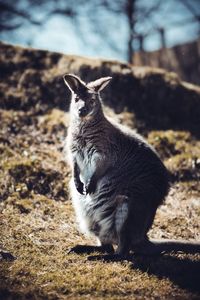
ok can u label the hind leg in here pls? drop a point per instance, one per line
(142, 217)
(133, 220)
(122, 251)
(121, 222)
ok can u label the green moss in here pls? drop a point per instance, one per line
(172, 78)
(184, 166)
(180, 152)
(23, 175)
(5, 151)
(169, 142)
(54, 121)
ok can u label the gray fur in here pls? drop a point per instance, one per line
(118, 180)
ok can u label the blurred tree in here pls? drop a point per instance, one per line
(12, 15)
(104, 18)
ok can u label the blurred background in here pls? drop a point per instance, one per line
(157, 33)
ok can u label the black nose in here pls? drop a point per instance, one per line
(82, 111)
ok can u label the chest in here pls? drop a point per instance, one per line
(83, 152)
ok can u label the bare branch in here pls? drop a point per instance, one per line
(146, 14)
(66, 12)
(10, 27)
(6, 8)
(191, 9)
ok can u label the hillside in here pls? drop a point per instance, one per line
(37, 224)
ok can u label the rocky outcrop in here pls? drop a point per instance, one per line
(32, 79)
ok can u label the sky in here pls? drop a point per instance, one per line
(60, 34)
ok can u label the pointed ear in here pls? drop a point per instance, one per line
(73, 82)
(99, 84)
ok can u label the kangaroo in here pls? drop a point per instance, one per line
(118, 180)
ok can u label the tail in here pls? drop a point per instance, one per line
(155, 247)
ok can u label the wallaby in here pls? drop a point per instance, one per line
(118, 180)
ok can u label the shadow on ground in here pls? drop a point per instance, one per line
(183, 272)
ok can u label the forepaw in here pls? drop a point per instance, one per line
(90, 187)
(80, 188)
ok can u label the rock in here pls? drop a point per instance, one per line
(4, 255)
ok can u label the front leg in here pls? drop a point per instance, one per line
(79, 185)
(90, 185)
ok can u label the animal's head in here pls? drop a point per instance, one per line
(85, 100)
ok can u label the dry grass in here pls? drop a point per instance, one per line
(41, 236)
(39, 231)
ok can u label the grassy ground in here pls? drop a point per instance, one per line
(37, 224)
